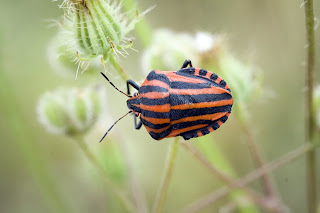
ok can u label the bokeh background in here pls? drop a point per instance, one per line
(36, 166)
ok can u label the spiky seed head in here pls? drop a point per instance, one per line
(97, 28)
(70, 111)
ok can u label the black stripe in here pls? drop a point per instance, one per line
(203, 72)
(186, 85)
(214, 76)
(201, 77)
(154, 126)
(222, 83)
(152, 114)
(176, 99)
(177, 114)
(160, 135)
(146, 89)
(189, 71)
(183, 125)
(150, 102)
(205, 131)
(161, 77)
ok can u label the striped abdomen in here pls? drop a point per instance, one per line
(190, 102)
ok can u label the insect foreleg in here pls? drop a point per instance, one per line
(137, 125)
(133, 84)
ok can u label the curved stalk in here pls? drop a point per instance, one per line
(162, 193)
(310, 127)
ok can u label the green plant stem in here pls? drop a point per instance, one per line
(310, 127)
(256, 154)
(125, 202)
(118, 68)
(257, 198)
(162, 193)
(244, 181)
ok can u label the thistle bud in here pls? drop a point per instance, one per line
(97, 27)
(64, 61)
(70, 111)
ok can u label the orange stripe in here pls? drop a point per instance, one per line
(174, 77)
(154, 95)
(211, 90)
(155, 108)
(218, 80)
(208, 75)
(176, 132)
(196, 71)
(227, 86)
(210, 129)
(202, 104)
(156, 130)
(156, 120)
(199, 133)
(212, 117)
(155, 83)
(220, 123)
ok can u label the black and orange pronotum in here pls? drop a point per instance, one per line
(190, 102)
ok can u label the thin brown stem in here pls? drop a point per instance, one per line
(240, 183)
(310, 127)
(257, 198)
(162, 193)
(258, 158)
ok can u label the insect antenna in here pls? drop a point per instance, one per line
(113, 125)
(114, 85)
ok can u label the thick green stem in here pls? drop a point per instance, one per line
(310, 127)
(126, 203)
(162, 193)
(118, 68)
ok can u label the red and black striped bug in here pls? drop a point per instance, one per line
(190, 102)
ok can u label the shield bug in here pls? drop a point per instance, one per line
(190, 102)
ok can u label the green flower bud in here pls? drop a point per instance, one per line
(168, 51)
(63, 60)
(97, 28)
(70, 111)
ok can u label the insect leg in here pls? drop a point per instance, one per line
(133, 84)
(186, 63)
(137, 125)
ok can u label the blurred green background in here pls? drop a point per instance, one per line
(33, 162)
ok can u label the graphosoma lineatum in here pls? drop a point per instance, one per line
(190, 102)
